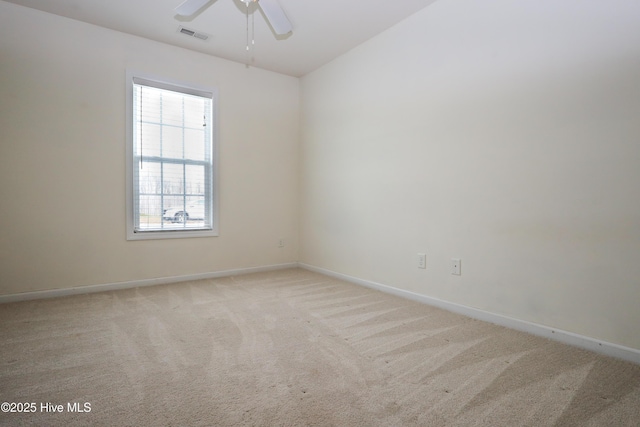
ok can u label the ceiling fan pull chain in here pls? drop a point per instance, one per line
(247, 15)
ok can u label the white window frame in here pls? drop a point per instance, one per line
(170, 84)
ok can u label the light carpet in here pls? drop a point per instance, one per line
(293, 348)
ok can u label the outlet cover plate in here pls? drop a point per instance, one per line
(456, 268)
(422, 260)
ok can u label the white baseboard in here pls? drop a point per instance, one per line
(587, 343)
(53, 293)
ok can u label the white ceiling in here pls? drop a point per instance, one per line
(322, 29)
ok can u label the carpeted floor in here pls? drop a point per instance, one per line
(292, 348)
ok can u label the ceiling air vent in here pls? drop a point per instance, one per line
(192, 33)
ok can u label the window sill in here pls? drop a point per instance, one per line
(177, 234)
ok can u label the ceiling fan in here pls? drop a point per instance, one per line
(271, 9)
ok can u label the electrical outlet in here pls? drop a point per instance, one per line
(422, 260)
(455, 266)
(281, 242)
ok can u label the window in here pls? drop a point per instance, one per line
(171, 159)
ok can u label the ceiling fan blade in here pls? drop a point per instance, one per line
(275, 15)
(189, 7)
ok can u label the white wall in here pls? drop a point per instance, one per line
(503, 133)
(62, 158)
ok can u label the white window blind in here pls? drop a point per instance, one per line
(172, 157)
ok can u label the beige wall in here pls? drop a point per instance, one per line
(62, 158)
(503, 133)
